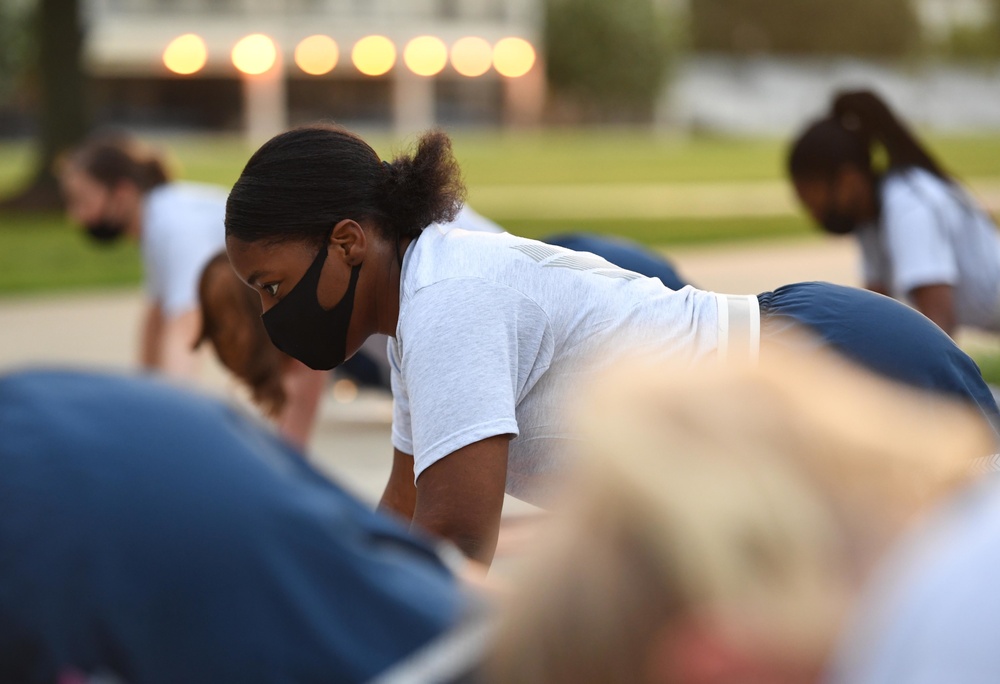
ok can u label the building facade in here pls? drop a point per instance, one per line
(125, 42)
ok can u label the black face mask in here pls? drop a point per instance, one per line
(105, 232)
(836, 222)
(301, 328)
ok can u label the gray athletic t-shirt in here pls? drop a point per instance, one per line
(494, 330)
(931, 233)
(183, 226)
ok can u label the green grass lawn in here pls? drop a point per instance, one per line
(555, 157)
(989, 364)
(39, 253)
(42, 253)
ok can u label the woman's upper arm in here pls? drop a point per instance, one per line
(460, 497)
(878, 287)
(937, 302)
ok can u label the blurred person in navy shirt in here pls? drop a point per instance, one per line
(148, 535)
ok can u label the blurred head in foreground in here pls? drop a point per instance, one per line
(722, 521)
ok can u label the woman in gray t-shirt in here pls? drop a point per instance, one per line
(922, 238)
(489, 332)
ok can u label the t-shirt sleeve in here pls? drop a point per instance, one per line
(180, 267)
(402, 435)
(153, 274)
(917, 241)
(466, 349)
(873, 269)
(181, 233)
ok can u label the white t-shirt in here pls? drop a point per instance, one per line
(931, 233)
(494, 330)
(374, 348)
(183, 226)
(467, 219)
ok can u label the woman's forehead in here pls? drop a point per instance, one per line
(261, 257)
(73, 177)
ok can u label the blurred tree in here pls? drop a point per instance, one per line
(15, 45)
(975, 42)
(870, 28)
(62, 117)
(608, 60)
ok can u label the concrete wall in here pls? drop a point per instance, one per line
(773, 96)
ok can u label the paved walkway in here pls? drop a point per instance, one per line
(660, 200)
(352, 439)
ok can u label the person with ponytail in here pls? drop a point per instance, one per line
(923, 239)
(115, 187)
(491, 334)
(288, 392)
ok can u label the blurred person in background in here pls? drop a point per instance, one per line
(490, 333)
(923, 239)
(116, 187)
(151, 535)
(720, 522)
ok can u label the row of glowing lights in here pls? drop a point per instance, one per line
(373, 55)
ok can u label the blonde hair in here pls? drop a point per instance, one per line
(751, 495)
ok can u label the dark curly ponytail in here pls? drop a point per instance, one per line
(858, 120)
(423, 188)
(303, 182)
(871, 116)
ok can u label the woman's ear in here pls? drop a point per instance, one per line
(349, 237)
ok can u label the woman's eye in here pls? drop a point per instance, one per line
(271, 289)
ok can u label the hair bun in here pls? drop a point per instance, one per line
(861, 110)
(422, 188)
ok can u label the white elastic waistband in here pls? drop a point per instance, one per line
(739, 327)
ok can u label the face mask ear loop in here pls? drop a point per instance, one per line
(399, 254)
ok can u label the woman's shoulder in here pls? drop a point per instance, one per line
(916, 185)
(464, 264)
(446, 243)
(187, 192)
(181, 201)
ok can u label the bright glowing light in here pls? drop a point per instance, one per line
(425, 55)
(255, 54)
(471, 56)
(317, 55)
(374, 55)
(513, 57)
(185, 54)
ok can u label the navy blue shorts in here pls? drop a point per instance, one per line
(879, 333)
